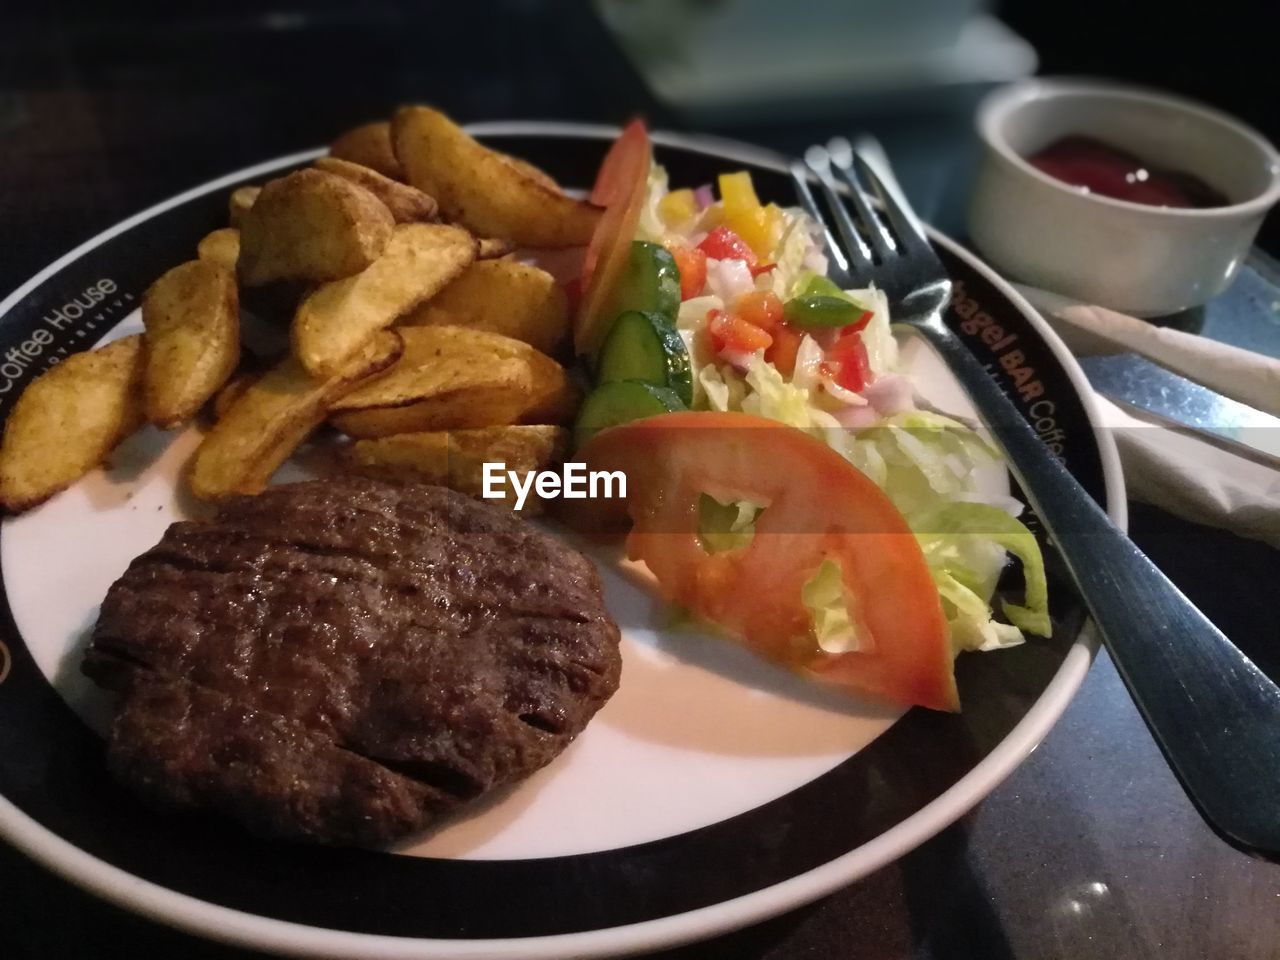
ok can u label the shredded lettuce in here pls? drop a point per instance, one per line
(919, 457)
(723, 388)
(969, 619)
(650, 226)
(791, 256)
(836, 630)
(726, 526)
(882, 348)
(964, 544)
(772, 397)
(693, 312)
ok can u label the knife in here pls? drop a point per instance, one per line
(1136, 382)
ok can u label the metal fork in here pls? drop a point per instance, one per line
(1215, 715)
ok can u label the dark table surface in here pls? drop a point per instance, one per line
(1089, 849)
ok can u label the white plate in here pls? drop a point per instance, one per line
(714, 790)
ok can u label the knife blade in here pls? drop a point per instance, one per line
(1136, 382)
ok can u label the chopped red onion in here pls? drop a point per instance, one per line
(856, 417)
(891, 393)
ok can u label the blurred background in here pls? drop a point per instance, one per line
(104, 111)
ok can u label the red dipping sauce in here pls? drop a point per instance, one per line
(1105, 170)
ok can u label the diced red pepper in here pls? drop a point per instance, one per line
(782, 352)
(691, 262)
(760, 308)
(847, 362)
(723, 244)
(728, 331)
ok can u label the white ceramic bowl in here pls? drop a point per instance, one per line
(1141, 260)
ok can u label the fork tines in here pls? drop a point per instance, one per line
(877, 235)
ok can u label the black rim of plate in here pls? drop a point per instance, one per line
(52, 767)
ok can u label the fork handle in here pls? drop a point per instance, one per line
(1215, 715)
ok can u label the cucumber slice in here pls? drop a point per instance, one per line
(641, 346)
(621, 401)
(649, 283)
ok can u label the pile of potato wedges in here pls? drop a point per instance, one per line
(412, 327)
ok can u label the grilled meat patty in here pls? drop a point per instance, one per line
(346, 660)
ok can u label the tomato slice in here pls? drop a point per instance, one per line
(613, 179)
(620, 187)
(817, 507)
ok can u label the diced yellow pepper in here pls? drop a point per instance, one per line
(760, 228)
(677, 207)
(752, 228)
(738, 194)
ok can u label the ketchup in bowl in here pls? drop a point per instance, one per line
(1099, 168)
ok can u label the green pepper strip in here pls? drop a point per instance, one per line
(818, 310)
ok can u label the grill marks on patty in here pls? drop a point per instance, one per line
(355, 650)
(180, 744)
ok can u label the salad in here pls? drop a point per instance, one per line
(705, 299)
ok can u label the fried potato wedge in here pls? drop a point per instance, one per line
(553, 396)
(250, 370)
(336, 319)
(192, 318)
(407, 204)
(455, 378)
(527, 169)
(501, 296)
(483, 190)
(232, 390)
(311, 225)
(221, 247)
(456, 458)
(491, 248)
(273, 416)
(370, 146)
(68, 420)
(242, 198)
(474, 406)
(451, 367)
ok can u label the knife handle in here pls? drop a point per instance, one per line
(1214, 714)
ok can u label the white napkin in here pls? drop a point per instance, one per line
(1189, 477)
